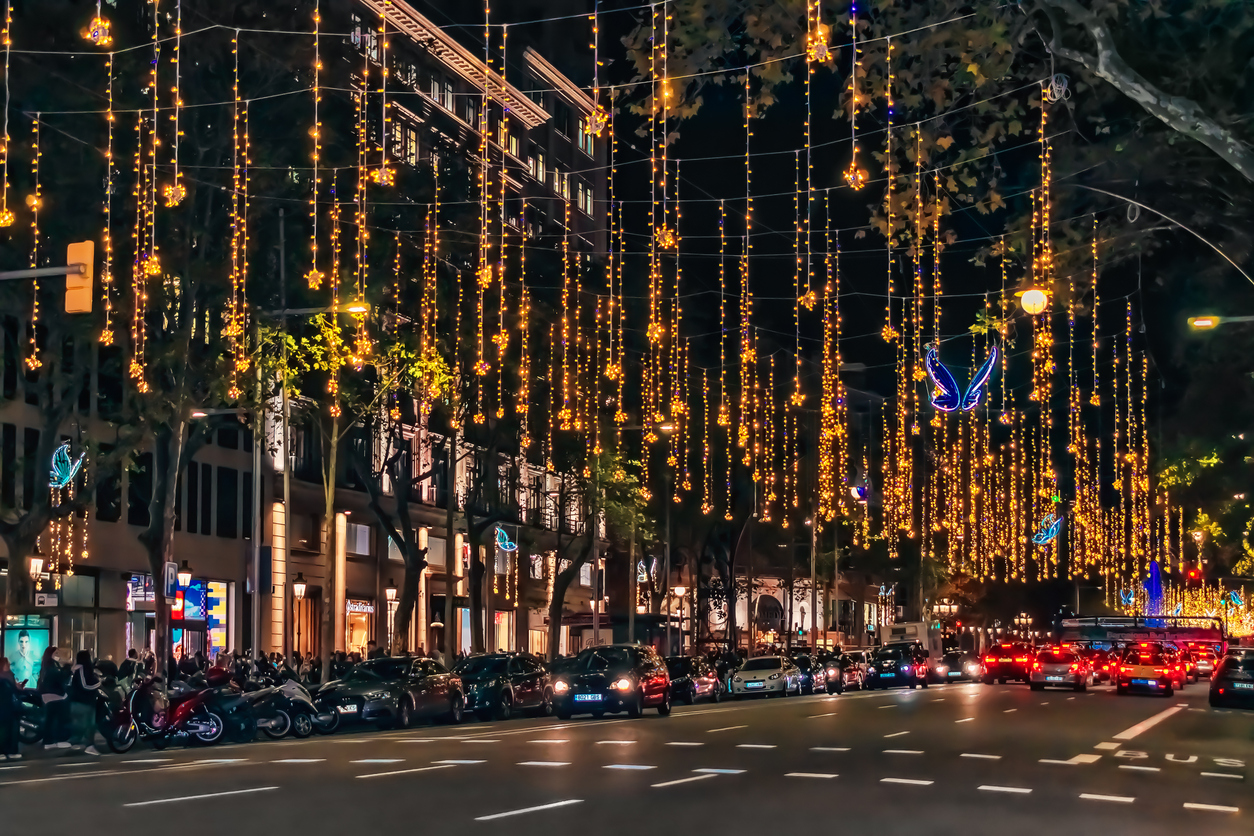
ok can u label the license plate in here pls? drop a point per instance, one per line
(955, 673)
(588, 698)
(1053, 679)
(346, 709)
(1003, 660)
(755, 684)
(1150, 682)
(1244, 686)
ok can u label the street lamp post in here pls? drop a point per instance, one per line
(298, 594)
(679, 592)
(390, 594)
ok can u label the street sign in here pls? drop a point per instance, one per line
(46, 599)
(170, 580)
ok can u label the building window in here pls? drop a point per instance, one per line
(586, 137)
(470, 111)
(561, 119)
(583, 198)
(405, 142)
(228, 499)
(513, 144)
(442, 92)
(561, 183)
(585, 575)
(357, 539)
(541, 171)
(305, 533)
(408, 73)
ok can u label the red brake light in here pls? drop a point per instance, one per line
(1021, 658)
(1036, 666)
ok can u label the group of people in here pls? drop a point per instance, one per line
(67, 691)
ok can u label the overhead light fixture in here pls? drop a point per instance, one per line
(1204, 323)
(185, 575)
(358, 307)
(390, 592)
(36, 567)
(1034, 300)
(298, 586)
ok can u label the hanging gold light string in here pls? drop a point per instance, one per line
(234, 331)
(523, 408)
(152, 265)
(33, 202)
(6, 214)
(314, 277)
(139, 291)
(709, 421)
(384, 175)
(361, 349)
(748, 359)
(106, 272)
(175, 191)
(501, 337)
(855, 175)
(889, 331)
(569, 293)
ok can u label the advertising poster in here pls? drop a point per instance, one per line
(25, 640)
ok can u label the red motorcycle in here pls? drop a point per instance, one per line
(189, 712)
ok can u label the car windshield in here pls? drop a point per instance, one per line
(1144, 656)
(889, 654)
(377, 670)
(1239, 663)
(953, 658)
(596, 660)
(1000, 650)
(768, 663)
(483, 666)
(679, 667)
(1053, 657)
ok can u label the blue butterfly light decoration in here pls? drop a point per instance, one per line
(1048, 529)
(1126, 598)
(946, 396)
(63, 470)
(1179, 609)
(503, 542)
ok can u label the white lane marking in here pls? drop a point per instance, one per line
(632, 766)
(829, 748)
(683, 780)
(480, 741)
(73, 765)
(810, 775)
(1107, 746)
(1147, 724)
(888, 706)
(149, 760)
(939, 699)
(549, 741)
(1122, 799)
(615, 742)
(1223, 775)
(1075, 761)
(1010, 711)
(684, 743)
(544, 763)
(198, 797)
(535, 809)
(993, 788)
(965, 720)
(1214, 808)
(1139, 768)
(829, 714)
(1070, 698)
(916, 782)
(709, 771)
(903, 751)
(755, 745)
(897, 734)
(299, 760)
(725, 728)
(457, 763)
(408, 771)
(379, 760)
(1045, 703)
(982, 757)
(219, 760)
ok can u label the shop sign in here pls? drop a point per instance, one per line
(47, 599)
(360, 607)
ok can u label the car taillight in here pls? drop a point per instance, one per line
(1125, 669)
(1160, 670)
(1075, 668)
(1036, 666)
(1021, 658)
(1105, 667)
(988, 660)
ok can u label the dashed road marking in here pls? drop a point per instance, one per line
(981, 757)
(409, 771)
(478, 740)
(198, 797)
(615, 742)
(915, 782)
(1121, 799)
(549, 741)
(1147, 724)
(810, 775)
(1075, 761)
(1107, 746)
(535, 809)
(890, 705)
(544, 763)
(993, 788)
(1223, 775)
(903, 751)
(829, 714)
(725, 728)
(965, 720)
(683, 780)
(711, 771)
(1214, 808)
(755, 746)
(379, 760)
(629, 766)
(1135, 768)
(829, 748)
(897, 734)
(300, 760)
(454, 762)
(684, 743)
(1010, 711)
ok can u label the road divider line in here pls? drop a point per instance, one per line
(687, 780)
(903, 751)
(1148, 723)
(1214, 808)
(981, 757)
(549, 741)
(1119, 799)
(965, 720)
(914, 782)
(615, 742)
(1075, 761)
(454, 762)
(710, 771)
(535, 809)
(993, 788)
(725, 728)
(1135, 768)
(300, 760)
(1107, 747)
(409, 771)
(379, 760)
(829, 748)
(628, 766)
(897, 734)
(890, 705)
(829, 714)
(544, 763)
(755, 745)
(1010, 711)
(198, 797)
(1223, 775)
(810, 775)
(684, 743)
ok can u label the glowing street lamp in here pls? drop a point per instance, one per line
(36, 568)
(299, 586)
(1034, 300)
(185, 575)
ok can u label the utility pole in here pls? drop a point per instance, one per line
(631, 587)
(666, 576)
(595, 559)
(289, 602)
(814, 583)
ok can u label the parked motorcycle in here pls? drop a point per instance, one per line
(201, 711)
(282, 705)
(32, 714)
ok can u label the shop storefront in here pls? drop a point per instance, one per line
(358, 624)
(199, 616)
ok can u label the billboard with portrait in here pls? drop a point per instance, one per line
(25, 640)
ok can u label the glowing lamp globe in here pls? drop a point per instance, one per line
(1034, 300)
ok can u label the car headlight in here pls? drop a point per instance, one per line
(833, 672)
(376, 695)
(774, 676)
(905, 669)
(561, 686)
(623, 684)
(942, 668)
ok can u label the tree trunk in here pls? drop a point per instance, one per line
(328, 547)
(451, 557)
(478, 594)
(158, 538)
(405, 608)
(561, 583)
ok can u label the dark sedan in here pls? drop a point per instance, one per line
(959, 666)
(394, 692)
(898, 664)
(693, 678)
(814, 676)
(498, 685)
(611, 679)
(1232, 683)
(1007, 661)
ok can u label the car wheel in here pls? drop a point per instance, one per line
(279, 731)
(563, 715)
(330, 726)
(456, 710)
(636, 707)
(404, 714)
(302, 726)
(1168, 691)
(664, 707)
(546, 704)
(716, 693)
(691, 697)
(504, 707)
(924, 680)
(1081, 686)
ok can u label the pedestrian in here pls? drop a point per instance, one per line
(84, 683)
(128, 669)
(372, 650)
(51, 690)
(10, 705)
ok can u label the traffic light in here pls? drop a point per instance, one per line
(78, 286)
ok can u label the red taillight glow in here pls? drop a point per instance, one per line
(1036, 666)
(1021, 658)
(1125, 669)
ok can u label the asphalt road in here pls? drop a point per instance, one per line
(968, 759)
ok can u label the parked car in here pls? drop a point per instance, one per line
(898, 664)
(848, 671)
(498, 685)
(813, 675)
(693, 678)
(1062, 667)
(959, 666)
(613, 678)
(1007, 661)
(1232, 684)
(394, 691)
(767, 675)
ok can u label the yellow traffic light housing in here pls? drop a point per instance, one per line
(79, 285)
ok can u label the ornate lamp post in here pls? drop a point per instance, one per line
(298, 594)
(390, 593)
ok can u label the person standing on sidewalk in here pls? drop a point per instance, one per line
(8, 712)
(51, 690)
(84, 685)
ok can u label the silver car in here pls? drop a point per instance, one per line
(1059, 666)
(766, 675)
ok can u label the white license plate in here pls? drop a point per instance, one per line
(1053, 679)
(346, 709)
(755, 684)
(588, 697)
(955, 673)
(1244, 686)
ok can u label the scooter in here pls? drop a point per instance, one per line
(183, 712)
(283, 705)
